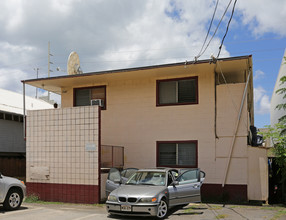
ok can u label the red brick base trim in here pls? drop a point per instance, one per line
(88, 194)
(216, 192)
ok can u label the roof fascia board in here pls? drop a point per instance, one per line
(138, 68)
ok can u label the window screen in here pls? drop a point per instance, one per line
(187, 91)
(177, 91)
(187, 154)
(167, 154)
(167, 92)
(8, 116)
(177, 154)
(84, 96)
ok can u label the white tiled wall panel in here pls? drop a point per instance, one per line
(65, 142)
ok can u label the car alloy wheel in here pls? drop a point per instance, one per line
(162, 209)
(13, 200)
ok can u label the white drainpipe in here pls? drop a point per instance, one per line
(24, 111)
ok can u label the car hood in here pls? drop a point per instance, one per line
(138, 190)
(11, 181)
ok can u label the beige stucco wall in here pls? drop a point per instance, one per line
(229, 98)
(62, 146)
(132, 119)
(257, 173)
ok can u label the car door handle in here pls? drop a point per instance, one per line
(196, 186)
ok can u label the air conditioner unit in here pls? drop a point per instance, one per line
(98, 102)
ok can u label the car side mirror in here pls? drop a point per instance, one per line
(175, 183)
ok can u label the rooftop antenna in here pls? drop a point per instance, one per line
(73, 66)
(37, 69)
(49, 63)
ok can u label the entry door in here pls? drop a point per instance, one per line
(186, 188)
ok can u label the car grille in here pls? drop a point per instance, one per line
(132, 200)
(124, 199)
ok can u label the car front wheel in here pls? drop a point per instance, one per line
(162, 209)
(13, 199)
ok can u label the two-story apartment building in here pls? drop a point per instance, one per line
(190, 114)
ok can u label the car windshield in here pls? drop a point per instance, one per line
(147, 178)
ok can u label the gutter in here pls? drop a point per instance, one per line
(138, 68)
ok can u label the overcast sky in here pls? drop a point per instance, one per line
(114, 34)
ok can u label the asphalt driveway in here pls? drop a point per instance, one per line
(44, 211)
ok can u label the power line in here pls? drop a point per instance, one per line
(199, 54)
(150, 49)
(234, 53)
(217, 27)
(226, 28)
(24, 62)
(164, 58)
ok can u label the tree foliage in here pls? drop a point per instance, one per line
(279, 140)
(282, 91)
(277, 134)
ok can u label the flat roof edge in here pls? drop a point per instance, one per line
(139, 68)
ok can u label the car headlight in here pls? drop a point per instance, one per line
(112, 198)
(148, 200)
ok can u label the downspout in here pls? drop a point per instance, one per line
(236, 128)
(24, 112)
(99, 154)
(215, 94)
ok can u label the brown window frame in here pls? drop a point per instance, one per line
(177, 103)
(176, 142)
(91, 87)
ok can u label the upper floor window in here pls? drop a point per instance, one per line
(83, 96)
(177, 91)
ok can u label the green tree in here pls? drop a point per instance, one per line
(279, 140)
(282, 91)
(277, 135)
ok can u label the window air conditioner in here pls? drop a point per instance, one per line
(97, 102)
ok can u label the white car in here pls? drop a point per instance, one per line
(12, 192)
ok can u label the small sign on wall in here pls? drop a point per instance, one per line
(40, 173)
(90, 147)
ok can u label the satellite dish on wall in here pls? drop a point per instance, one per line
(73, 66)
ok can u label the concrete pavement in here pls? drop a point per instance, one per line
(203, 211)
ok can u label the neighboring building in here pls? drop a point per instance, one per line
(193, 114)
(277, 99)
(12, 143)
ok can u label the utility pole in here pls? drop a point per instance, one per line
(49, 63)
(37, 69)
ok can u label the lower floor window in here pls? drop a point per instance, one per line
(177, 153)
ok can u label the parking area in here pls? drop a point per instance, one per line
(31, 211)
